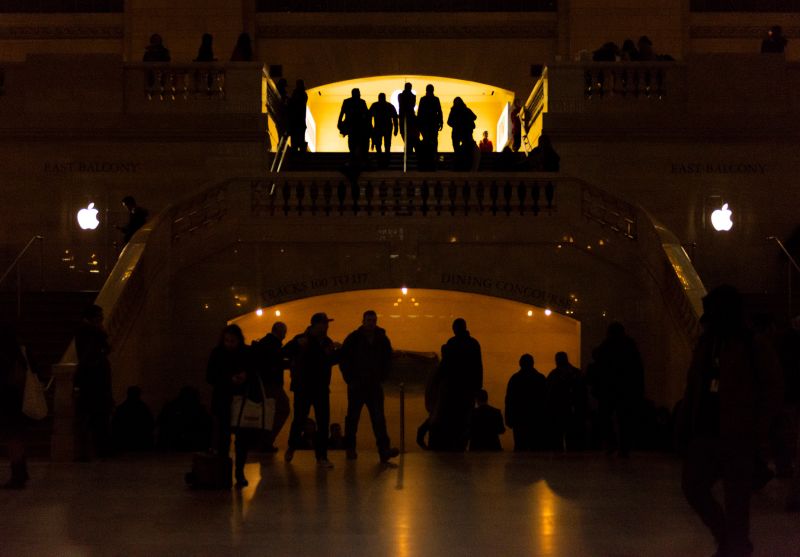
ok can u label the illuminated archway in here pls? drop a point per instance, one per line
(419, 320)
(489, 103)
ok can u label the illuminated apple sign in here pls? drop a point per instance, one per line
(721, 218)
(87, 218)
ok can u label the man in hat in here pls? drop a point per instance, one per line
(312, 354)
(366, 357)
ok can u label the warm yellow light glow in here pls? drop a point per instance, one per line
(277, 313)
(324, 103)
(548, 312)
(404, 290)
(530, 313)
(259, 312)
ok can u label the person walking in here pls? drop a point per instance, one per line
(92, 385)
(311, 355)
(231, 373)
(733, 389)
(354, 122)
(431, 121)
(462, 120)
(271, 365)
(365, 361)
(526, 402)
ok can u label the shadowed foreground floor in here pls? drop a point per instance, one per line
(430, 504)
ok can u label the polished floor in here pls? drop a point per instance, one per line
(429, 504)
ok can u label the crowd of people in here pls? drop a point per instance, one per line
(739, 408)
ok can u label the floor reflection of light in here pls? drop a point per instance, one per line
(545, 506)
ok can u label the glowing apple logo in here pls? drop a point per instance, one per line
(721, 218)
(87, 218)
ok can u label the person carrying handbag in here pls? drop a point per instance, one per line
(237, 393)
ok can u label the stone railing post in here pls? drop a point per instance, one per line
(62, 442)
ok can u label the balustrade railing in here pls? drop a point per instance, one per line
(169, 82)
(536, 105)
(609, 211)
(403, 197)
(200, 211)
(633, 80)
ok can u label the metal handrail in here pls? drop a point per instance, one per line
(786, 252)
(16, 264)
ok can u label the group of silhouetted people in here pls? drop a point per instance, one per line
(640, 51)
(156, 51)
(256, 372)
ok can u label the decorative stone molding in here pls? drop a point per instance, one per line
(736, 31)
(488, 31)
(40, 32)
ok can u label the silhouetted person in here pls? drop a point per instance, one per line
(516, 125)
(385, 123)
(462, 120)
(629, 52)
(132, 425)
(407, 118)
(544, 156)
(526, 405)
(230, 372)
(646, 52)
(354, 123)
(430, 121)
(606, 53)
(206, 51)
(297, 116)
(365, 360)
(336, 438)
(271, 364)
(619, 367)
(486, 144)
(312, 354)
(137, 216)
(243, 51)
(732, 390)
(775, 43)
(486, 425)
(156, 51)
(93, 384)
(280, 108)
(13, 368)
(460, 377)
(566, 395)
(184, 424)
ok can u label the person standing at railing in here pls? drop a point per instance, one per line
(156, 51)
(384, 122)
(431, 122)
(462, 120)
(486, 145)
(296, 112)
(92, 384)
(775, 43)
(243, 51)
(206, 51)
(407, 118)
